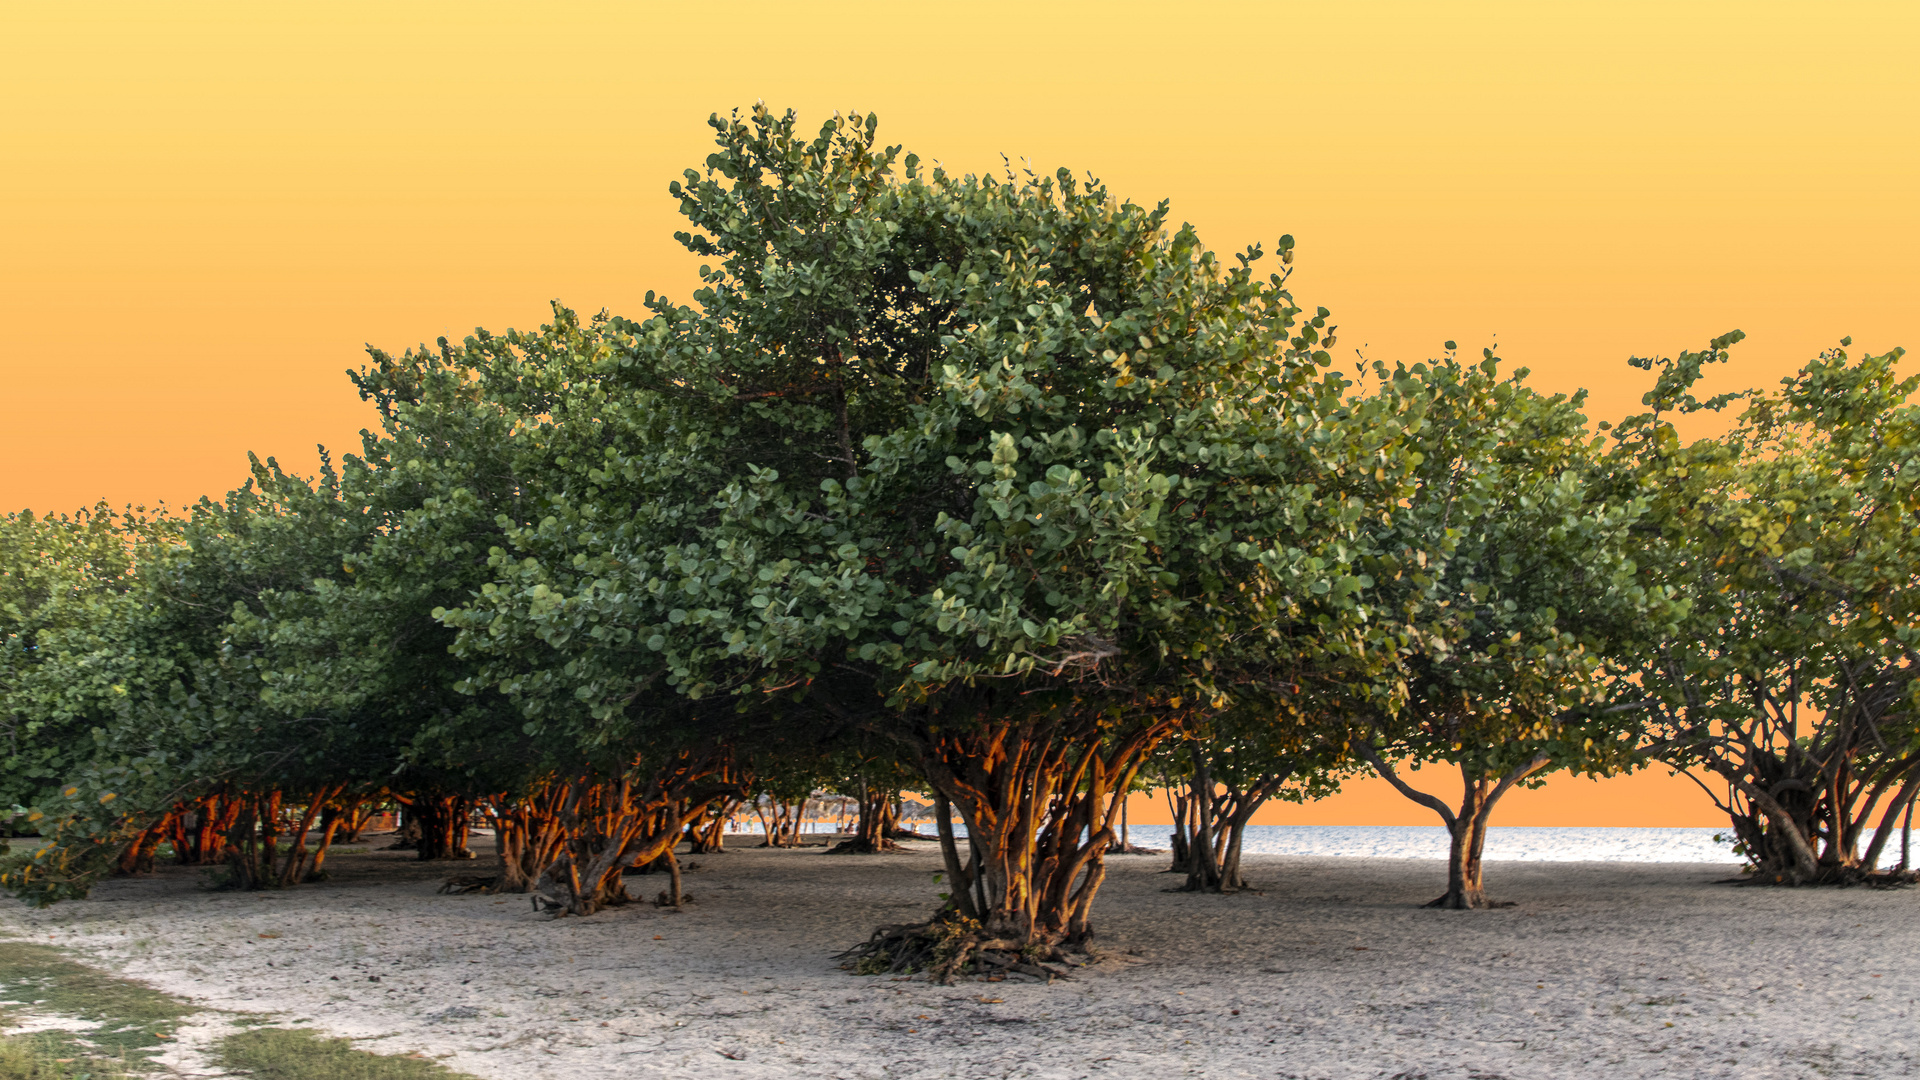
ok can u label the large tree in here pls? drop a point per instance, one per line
(1795, 537)
(1511, 558)
(1000, 470)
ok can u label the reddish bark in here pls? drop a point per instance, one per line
(446, 821)
(610, 825)
(1040, 795)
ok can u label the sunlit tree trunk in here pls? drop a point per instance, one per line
(1039, 796)
(610, 825)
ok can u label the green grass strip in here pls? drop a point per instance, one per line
(294, 1054)
(132, 1017)
(134, 1020)
(39, 1057)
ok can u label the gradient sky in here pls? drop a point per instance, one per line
(207, 209)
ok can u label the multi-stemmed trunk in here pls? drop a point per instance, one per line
(610, 825)
(1806, 787)
(879, 819)
(707, 834)
(1805, 824)
(316, 867)
(781, 820)
(137, 856)
(1466, 826)
(255, 833)
(253, 841)
(199, 830)
(1211, 825)
(301, 861)
(348, 816)
(528, 834)
(1039, 794)
(445, 823)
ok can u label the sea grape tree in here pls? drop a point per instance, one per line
(1003, 471)
(1792, 683)
(1511, 561)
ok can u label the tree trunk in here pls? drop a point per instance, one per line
(1466, 888)
(510, 845)
(446, 822)
(1218, 826)
(959, 896)
(711, 837)
(1039, 796)
(318, 870)
(874, 829)
(1177, 840)
(612, 825)
(1906, 840)
(674, 896)
(1466, 828)
(270, 829)
(294, 870)
(528, 834)
(347, 816)
(1776, 832)
(1203, 873)
(200, 838)
(253, 841)
(1467, 831)
(706, 834)
(1230, 878)
(1903, 798)
(137, 856)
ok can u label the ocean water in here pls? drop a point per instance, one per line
(1505, 843)
(1518, 843)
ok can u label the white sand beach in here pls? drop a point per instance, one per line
(1331, 970)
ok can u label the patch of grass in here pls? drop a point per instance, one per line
(32, 1057)
(132, 1019)
(290, 1054)
(132, 1016)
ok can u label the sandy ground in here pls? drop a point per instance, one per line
(1615, 970)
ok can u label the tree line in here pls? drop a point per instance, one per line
(999, 489)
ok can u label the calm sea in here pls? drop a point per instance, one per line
(1520, 843)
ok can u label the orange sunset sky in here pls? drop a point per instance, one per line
(206, 209)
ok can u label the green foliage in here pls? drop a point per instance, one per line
(1512, 560)
(929, 431)
(1791, 538)
(63, 581)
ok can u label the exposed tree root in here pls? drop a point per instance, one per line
(953, 947)
(462, 884)
(857, 846)
(1833, 876)
(1451, 902)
